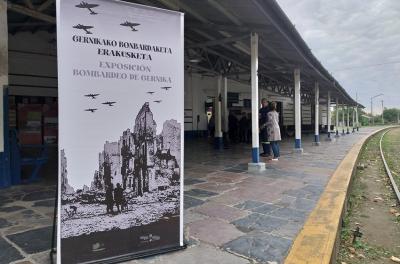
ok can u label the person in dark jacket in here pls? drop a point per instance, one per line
(263, 128)
(243, 128)
(248, 128)
(109, 200)
(119, 197)
(211, 126)
(233, 127)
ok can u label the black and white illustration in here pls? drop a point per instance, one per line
(88, 6)
(121, 116)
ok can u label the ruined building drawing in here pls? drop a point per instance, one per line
(141, 161)
(65, 187)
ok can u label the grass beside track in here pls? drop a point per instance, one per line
(391, 150)
(362, 211)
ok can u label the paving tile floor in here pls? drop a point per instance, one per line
(231, 215)
(26, 217)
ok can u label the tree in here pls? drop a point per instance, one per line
(390, 115)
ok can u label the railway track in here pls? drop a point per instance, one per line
(387, 169)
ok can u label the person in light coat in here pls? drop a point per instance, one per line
(273, 130)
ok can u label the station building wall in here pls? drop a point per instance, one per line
(33, 64)
(200, 88)
(33, 72)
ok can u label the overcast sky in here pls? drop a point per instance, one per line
(348, 35)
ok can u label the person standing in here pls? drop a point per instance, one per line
(211, 127)
(233, 127)
(242, 128)
(109, 200)
(274, 131)
(263, 113)
(248, 128)
(118, 197)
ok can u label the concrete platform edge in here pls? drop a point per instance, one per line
(317, 241)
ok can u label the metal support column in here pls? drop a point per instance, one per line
(255, 164)
(328, 115)
(348, 120)
(218, 116)
(357, 124)
(316, 134)
(353, 122)
(225, 113)
(337, 118)
(5, 180)
(343, 133)
(297, 111)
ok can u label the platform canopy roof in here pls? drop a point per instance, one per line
(217, 41)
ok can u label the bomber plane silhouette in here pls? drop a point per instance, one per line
(109, 103)
(150, 93)
(157, 101)
(83, 27)
(131, 25)
(166, 88)
(150, 238)
(88, 6)
(91, 110)
(93, 96)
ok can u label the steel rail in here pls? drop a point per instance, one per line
(388, 172)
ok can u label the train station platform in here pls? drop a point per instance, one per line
(231, 215)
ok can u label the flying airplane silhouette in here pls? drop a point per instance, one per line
(88, 6)
(149, 238)
(131, 25)
(150, 93)
(166, 88)
(109, 103)
(157, 101)
(91, 110)
(92, 95)
(85, 28)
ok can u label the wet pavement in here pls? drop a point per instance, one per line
(231, 215)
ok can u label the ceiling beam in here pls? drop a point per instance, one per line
(224, 11)
(231, 28)
(178, 5)
(29, 4)
(45, 5)
(218, 41)
(267, 13)
(240, 45)
(31, 13)
(25, 24)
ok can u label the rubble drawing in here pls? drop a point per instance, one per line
(137, 181)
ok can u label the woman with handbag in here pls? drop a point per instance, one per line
(273, 131)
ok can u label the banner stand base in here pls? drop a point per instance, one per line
(128, 257)
(53, 250)
(133, 256)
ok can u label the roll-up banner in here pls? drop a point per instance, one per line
(121, 112)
